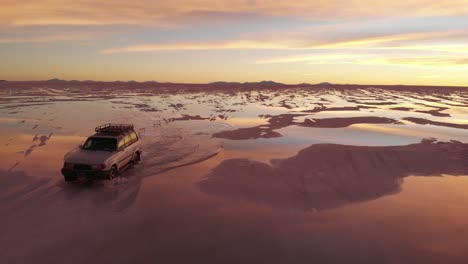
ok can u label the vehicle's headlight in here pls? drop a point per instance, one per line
(98, 166)
(68, 165)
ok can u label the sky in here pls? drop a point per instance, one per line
(198, 41)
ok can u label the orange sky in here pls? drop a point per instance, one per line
(368, 42)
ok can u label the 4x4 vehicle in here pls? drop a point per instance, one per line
(104, 154)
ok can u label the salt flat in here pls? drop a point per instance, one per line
(294, 174)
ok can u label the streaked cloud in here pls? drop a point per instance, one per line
(147, 12)
(372, 59)
(393, 41)
(430, 61)
(231, 45)
(429, 76)
(45, 38)
(451, 48)
(316, 59)
(237, 40)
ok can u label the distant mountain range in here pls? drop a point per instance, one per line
(56, 82)
(131, 81)
(263, 83)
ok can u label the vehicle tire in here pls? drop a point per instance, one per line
(112, 173)
(70, 178)
(136, 158)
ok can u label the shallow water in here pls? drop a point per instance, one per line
(237, 200)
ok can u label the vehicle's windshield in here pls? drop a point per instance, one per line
(95, 143)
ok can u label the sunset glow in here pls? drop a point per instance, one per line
(367, 42)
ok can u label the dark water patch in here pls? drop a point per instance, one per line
(285, 120)
(423, 121)
(325, 176)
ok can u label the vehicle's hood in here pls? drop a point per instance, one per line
(78, 155)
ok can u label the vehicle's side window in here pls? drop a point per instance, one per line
(134, 137)
(121, 143)
(128, 140)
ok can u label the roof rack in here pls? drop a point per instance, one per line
(114, 128)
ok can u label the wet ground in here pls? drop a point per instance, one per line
(284, 175)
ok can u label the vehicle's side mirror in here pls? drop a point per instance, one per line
(121, 148)
(80, 146)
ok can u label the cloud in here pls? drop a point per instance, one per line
(374, 59)
(448, 48)
(409, 41)
(392, 40)
(45, 38)
(164, 12)
(316, 59)
(346, 25)
(229, 45)
(429, 76)
(429, 61)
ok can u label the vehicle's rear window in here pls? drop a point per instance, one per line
(96, 143)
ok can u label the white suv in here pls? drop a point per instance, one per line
(113, 148)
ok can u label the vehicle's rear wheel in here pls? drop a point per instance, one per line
(112, 173)
(136, 158)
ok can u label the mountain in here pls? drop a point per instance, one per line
(271, 83)
(225, 83)
(324, 84)
(56, 80)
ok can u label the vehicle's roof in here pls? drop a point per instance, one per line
(112, 135)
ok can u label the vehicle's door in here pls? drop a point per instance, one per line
(120, 156)
(128, 149)
(135, 142)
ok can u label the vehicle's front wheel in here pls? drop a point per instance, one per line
(112, 173)
(70, 178)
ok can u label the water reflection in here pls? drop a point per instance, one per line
(327, 175)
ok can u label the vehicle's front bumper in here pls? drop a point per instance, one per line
(89, 174)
